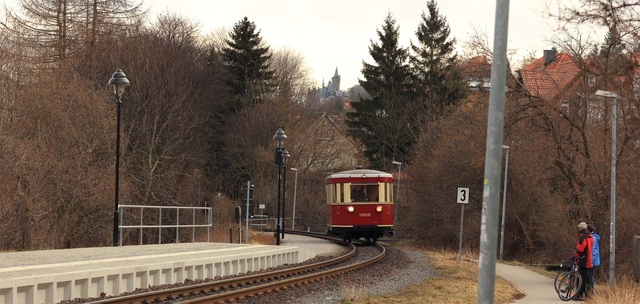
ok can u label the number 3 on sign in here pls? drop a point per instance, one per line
(463, 195)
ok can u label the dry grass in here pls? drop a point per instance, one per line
(456, 283)
(355, 293)
(625, 290)
(262, 238)
(222, 233)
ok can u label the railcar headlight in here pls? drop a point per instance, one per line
(350, 208)
(379, 208)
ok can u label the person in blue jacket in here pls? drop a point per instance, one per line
(595, 253)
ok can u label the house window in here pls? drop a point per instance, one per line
(324, 135)
(592, 80)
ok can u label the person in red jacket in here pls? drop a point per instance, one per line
(584, 255)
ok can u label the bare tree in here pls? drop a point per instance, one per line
(291, 76)
(66, 31)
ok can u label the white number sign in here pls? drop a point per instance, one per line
(463, 195)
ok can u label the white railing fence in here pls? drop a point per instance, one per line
(158, 223)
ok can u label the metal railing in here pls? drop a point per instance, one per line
(177, 224)
(260, 221)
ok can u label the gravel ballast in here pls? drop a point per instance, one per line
(398, 269)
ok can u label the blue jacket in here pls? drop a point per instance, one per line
(595, 250)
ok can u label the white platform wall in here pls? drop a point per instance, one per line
(51, 288)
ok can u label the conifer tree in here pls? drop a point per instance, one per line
(436, 78)
(377, 122)
(246, 59)
(613, 44)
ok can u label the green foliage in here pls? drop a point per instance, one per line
(437, 79)
(407, 91)
(247, 62)
(613, 44)
(374, 121)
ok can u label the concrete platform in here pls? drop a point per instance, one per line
(50, 276)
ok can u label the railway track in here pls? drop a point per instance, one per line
(232, 289)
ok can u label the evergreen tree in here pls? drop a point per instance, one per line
(246, 59)
(436, 76)
(378, 121)
(613, 44)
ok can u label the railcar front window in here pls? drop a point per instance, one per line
(372, 193)
(364, 193)
(358, 193)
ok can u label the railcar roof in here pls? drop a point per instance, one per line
(359, 173)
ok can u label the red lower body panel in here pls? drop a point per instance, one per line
(364, 221)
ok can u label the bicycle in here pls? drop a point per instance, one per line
(568, 283)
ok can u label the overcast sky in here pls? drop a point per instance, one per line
(337, 33)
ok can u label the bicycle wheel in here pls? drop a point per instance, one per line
(559, 278)
(569, 286)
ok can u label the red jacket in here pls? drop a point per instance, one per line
(583, 248)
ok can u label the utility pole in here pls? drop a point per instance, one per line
(493, 158)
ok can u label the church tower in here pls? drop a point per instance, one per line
(335, 80)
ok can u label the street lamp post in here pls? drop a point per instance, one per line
(504, 200)
(612, 235)
(280, 137)
(295, 192)
(285, 157)
(119, 81)
(399, 164)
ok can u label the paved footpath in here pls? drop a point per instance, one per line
(538, 288)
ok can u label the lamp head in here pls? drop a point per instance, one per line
(606, 94)
(280, 137)
(119, 81)
(397, 163)
(505, 147)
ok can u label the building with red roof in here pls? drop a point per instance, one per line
(550, 77)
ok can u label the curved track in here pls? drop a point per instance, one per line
(254, 285)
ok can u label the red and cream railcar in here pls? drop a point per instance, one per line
(360, 204)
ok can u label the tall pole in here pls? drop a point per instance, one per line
(284, 187)
(295, 193)
(504, 200)
(493, 158)
(279, 158)
(279, 155)
(612, 227)
(246, 222)
(612, 237)
(116, 212)
(119, 81)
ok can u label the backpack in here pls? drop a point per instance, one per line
(595, 250)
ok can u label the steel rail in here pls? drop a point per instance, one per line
(285, 283)
(223, 286)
